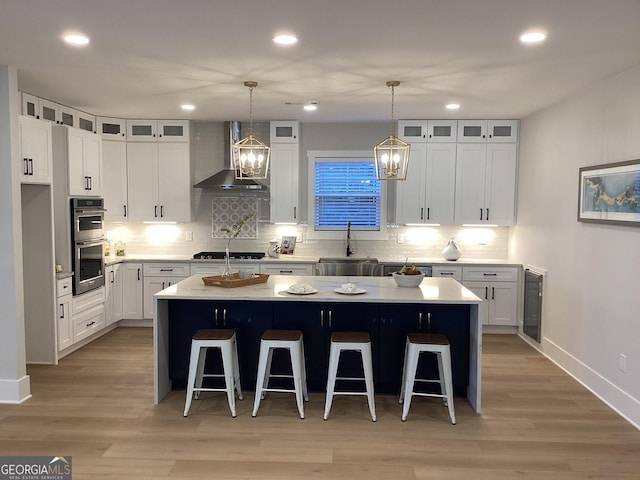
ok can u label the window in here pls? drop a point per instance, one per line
(343, 188)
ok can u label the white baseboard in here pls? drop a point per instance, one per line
(15, 391)
(617, 399)
(146, 322)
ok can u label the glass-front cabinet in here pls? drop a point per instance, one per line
(433, 131)
(490, 131)
(284, 131)
(112, 128)
(157, 130)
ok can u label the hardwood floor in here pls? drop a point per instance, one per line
(97, 406)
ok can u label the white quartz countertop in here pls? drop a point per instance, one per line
(377, 290)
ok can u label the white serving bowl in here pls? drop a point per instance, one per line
(403, 280)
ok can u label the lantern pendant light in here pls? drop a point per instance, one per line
(250, 155)
(392, 154)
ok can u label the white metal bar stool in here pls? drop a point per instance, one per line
(359, 342)
(290, 340)
(225, 340)
(432, 343)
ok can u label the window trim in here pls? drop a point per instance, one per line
(334, 155)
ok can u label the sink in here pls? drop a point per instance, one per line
(348, 266)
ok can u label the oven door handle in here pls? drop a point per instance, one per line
(92, 210)
(96, 241)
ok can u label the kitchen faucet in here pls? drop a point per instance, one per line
(349, 250)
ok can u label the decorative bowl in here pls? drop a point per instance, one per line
(404, 280)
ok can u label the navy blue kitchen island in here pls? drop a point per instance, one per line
(385, 311)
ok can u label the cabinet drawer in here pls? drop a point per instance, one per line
(218, 268)
(63, 286)
(447, 272)
(166, 269)
(87, 300)
(492, 274)
(88, 322)
(287, 269)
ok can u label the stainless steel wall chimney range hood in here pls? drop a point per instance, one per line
(226, 179)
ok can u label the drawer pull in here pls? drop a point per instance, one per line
(91, 323)
(490, 274)
(286, 271)
(166, 269)
(446, 274)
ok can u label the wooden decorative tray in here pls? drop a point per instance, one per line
(234, 280)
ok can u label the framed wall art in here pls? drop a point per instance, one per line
(610, 193)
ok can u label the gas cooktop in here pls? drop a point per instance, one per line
(234, 255)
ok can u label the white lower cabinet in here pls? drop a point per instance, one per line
(498, 289)
(445, 271)
(218, 268)
(88, 313)
(131, 274)
(64, 323)
(287, 269)
(113, 293)
(157, 277)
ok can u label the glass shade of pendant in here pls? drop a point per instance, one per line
(392, 158)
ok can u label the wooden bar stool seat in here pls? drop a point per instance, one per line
(418, 343)
(201, 342)
(345, 341)
(290, 340)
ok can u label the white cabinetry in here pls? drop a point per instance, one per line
(157, 130)
(35, 151)
(498, 289)
(132, 300)
(112, 128)
(113, 294)
(287, 269)
(445, 271)
(64, 323)
(490, 131)
(486, 183)
(86, 121)
(157, 277)
(158, 182)
(427, 131)
(83, 152)
(30, 105)
(284, 179)
(88, 313)
(114, 161)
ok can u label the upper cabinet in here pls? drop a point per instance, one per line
(57, 113)
(112, 128)
(85, 162)
(114, 160)
(489, 131)
(284, 179)
(432, 131)
(35, 151)
(285, 132)
(157, 130)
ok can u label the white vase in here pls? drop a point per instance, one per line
(451, 251)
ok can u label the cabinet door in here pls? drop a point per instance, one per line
(396, 321)
(502, 131)
(49, 110)
(114, 294)
(30, 105)
(285, 131)
(504, 300)
(65, 325)
(142, 181)
(114, 162)
(153, 285)
(472, 131)
(93, 162)
(410, 194)
(173, 130)
(112, 128)
(442, 131)
(471, 162)
(440, 183)
(132, 290)
(85, 163)
(67, 116)
(142, 130)
(500, 193)
(481, 290)
(174, 182)
(447, 272)
(284, 182)
(36, 151)
(413, 131)
(86, 121)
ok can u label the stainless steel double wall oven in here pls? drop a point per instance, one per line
(87, 243)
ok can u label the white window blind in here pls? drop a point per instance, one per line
(346, 191)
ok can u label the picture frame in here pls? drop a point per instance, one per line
(287, 245)
(610, 193)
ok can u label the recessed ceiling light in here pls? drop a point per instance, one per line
(75, 38)
(310, 107)
(533, 37)
(187, 107)
(452, 106)
(285, 39)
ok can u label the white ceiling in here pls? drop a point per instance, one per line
(146, 57)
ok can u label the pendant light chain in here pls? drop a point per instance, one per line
(250, 110)
(392, 104)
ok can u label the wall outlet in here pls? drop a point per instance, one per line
(188, 236)
(299, 237)
(400, 238)
(623, 363)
